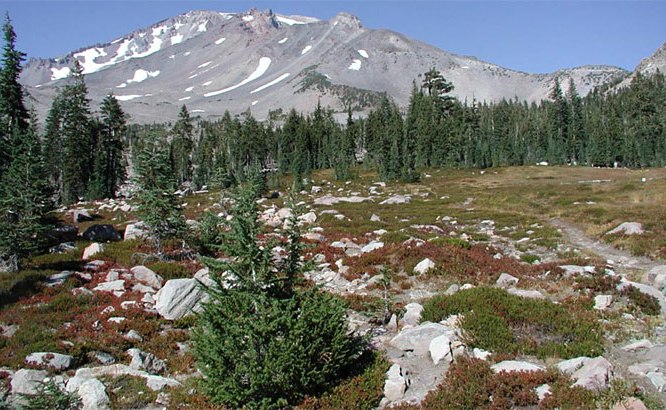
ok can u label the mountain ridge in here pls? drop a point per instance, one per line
(257, 61)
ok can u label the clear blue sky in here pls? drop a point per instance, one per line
(531, 36)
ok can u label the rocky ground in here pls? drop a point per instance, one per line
(386, 248)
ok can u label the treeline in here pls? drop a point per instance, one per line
(626, 127)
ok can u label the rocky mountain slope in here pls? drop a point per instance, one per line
(263, 61)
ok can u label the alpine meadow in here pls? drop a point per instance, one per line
(264, 211)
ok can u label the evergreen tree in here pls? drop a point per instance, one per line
(575, 130)
(559, 139)
(75, 133)
(23, 201)
(13, 114)
(262, 342)
(345, 152)
(109, 171)
(157, 203)
(181, 146)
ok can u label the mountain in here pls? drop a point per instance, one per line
(264, 61)
(649, 65)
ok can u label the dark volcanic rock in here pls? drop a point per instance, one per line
(102, 233)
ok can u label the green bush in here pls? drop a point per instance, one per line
(647, 304)
(262, 342)
(50, 396)
(503, 323)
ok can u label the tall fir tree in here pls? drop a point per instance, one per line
(182, 145)
(157, 203)
(109, 172)
(24, 200)
(13, 113)
(71, 134)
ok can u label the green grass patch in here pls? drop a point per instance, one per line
(170, 270)
(503, 323)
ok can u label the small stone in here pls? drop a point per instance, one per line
(658, 380)
(27, 381)
(115, 286)
(91, 250)
(133, 335)
(375, 218)
(440, 347)
(424, 266)
(147, 276)
(596, 374)
(627, 228)
(412, 314)
(531, 294)
(506, 280)
(515, 366)
(396, 384)
(542, 391)
(145, 361)
(372, 246)
(603, 302)
(638, 345)
(630, 403)
(481, 354)
(51, 360)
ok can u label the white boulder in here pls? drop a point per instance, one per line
(412, 314)
(26, 381)
(595, 374)
(418, 338)
(603, 302)
(627, 228)
(506, 280)
(137, 230)
(516, 366)
(178, 298)
(51, 360)
(396, 383)
(91, 250)
(147, 276)
(93, 395)
(424, 266)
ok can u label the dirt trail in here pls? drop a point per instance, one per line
(622, 259)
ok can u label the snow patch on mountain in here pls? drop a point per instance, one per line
(277, 80)
(306, 49)
(207, 63)
(60, 73)
(264, 63)
(176, 39)
(355, 65)
(127, 97)
(220, 41)
(184, 98)
(202, 27)
(284, 40)
(207, 83)
(141, 75)
(363, 53)
(189, 89)
(248, 18)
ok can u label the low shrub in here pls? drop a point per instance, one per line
(360, 392)
(503, 323)
(128, 392)
(50, 396)
(647, 304)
